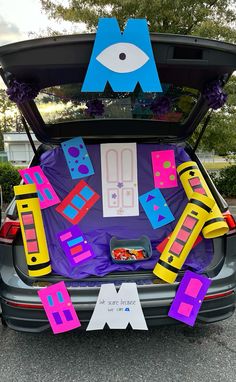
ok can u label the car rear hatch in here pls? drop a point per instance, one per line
(57, 66)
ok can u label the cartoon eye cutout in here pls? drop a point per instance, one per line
(122, 57)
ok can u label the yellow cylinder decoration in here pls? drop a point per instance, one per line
(183, 237)
(193, 181)
(32, 228)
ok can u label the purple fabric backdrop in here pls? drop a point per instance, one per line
(99, 230)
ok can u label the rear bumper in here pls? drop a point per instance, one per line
(35, 320)
(155, 298)
(155, 312)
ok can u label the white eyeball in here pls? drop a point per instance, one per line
(122, 57)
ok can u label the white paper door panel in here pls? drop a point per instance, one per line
(119, 179)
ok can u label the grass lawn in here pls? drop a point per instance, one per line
(215, 165)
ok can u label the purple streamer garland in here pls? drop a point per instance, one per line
(95, 107)
(161, 105)
(20, 92)
(214, 95)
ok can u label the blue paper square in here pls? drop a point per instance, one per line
(86, 192)
(156, 208)
(70, 212)
(77, 158)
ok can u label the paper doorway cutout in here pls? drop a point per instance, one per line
(118, 309)
(75, 246)
(189, 297)
(77, 158)
(58, 307)
(156, 208)
(119, 179)
(78, 202)
(164, 169)
(122, 59)
(46, 193)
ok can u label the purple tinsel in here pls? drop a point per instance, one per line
(214, 95)
(95, 107)
(21, 92)
(161, 105)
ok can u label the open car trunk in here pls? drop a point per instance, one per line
(207, 257)
(57, 66)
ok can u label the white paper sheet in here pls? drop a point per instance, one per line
(118, 309)
(119, 179)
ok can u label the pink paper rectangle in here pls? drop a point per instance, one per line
(164, 169)
(58, 307)
(190, 222)
(32, 246)
(83, 256)
(27, 218)
(66, 236)
(47, 195)
(30, 234)
(193, 288)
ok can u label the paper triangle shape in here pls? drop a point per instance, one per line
(150, 197)
(160, 218)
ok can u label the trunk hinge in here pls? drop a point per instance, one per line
(202, 130)
(29, 136)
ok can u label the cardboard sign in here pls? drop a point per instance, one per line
(164, 169)
(46, 193)
(119, 179)
(156, 208)
(77, 158)
(75, 246)
(189, 297)
(58, 307)
(122, 59)
(118, 309)
(78, 202)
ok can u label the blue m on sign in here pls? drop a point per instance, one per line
(122, 59)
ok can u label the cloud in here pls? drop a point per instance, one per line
(8, 32)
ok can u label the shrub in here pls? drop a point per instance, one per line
(226, 182)
(9, 177)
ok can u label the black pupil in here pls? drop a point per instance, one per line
(122, 56)
(33, 259)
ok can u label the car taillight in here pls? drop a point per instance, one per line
(230, 221)
(9, 230)
(219, 295)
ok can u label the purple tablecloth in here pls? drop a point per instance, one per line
(99, 230)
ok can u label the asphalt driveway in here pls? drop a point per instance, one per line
(166, 354)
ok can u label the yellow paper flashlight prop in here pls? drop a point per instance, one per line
(183, 237)
(193, 181)
(31, 222)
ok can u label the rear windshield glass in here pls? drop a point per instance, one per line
(68, 103)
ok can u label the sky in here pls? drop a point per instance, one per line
(24, 19)
(20, 18)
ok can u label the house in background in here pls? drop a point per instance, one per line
(18, 148)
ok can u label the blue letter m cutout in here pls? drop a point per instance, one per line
(122, 59)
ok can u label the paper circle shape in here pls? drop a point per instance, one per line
(73, 151)
(83, 169)
(166, 164)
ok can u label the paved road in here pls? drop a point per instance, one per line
(166, 354)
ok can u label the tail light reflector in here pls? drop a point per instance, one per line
(9, 230)
(219, 295)
(230, 221)
(23, 305)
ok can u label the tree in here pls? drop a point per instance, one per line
(220, 134)
(8, 115)
(208, 18)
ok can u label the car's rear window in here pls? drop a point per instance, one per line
(68, 103)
